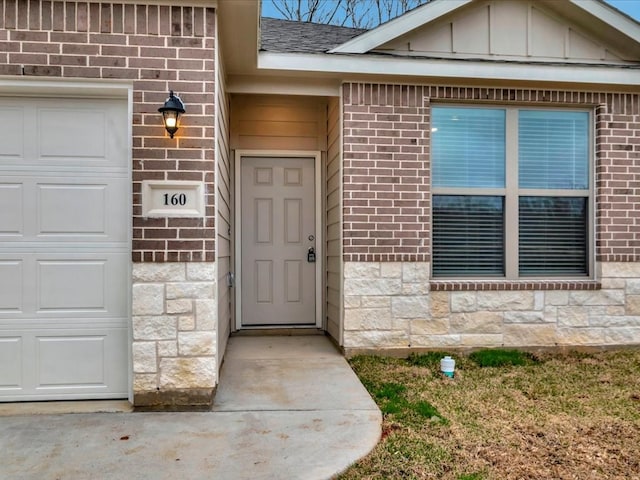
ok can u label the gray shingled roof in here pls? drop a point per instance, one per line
(289, 36)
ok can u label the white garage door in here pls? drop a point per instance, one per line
(64, 248)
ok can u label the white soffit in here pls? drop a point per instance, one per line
(400, 25)
(278, 85)
(387, 67)
(239, 33)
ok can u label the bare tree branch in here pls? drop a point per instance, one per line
(351, 13)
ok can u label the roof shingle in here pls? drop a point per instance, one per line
(277, 35)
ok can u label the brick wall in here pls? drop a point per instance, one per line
(387, 172)
(617, 178)
(157, 48)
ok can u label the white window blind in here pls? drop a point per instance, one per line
(468, 147)
(553, 149)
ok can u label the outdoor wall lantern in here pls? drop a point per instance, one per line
(171, 111)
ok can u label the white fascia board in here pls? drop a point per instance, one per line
(610, 16)
(399, 26)
(434, 68)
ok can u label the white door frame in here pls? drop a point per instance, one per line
(238, 233)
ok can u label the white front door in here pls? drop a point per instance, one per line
(278, 241)
(65, 253)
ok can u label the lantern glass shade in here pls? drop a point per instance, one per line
(171, 111)
(170, 121)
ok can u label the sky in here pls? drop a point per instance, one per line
(630, 7)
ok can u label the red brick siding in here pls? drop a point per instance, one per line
(386, 203)
(385, 173)
(156, 47)
(618, 179)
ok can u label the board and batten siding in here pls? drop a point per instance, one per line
(507, 30)
(333, 235)
(223, 212)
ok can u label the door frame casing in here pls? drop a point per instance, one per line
(317, 160)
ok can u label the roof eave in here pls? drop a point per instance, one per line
(395, 67)
(610, 16)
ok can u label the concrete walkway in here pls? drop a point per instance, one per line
(286, 408)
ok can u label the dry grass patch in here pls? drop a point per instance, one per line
(574, 416)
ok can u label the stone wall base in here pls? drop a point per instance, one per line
(185, 400)
(390, 306)
(175, 328)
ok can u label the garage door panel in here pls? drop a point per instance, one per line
(63, 285)
(70, 133)
(11, 286)
(67, 285)
(10, 363)
(12, 213)
(58, 364)
(64, 209)
(72, 285)
(82, 209)
(72, 209)
(12, 121)
(48, 133)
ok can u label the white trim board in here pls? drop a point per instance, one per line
(317, 156)
(22, 86)
(399, 26)
(430, 69)
(438, 8)
(611, 16)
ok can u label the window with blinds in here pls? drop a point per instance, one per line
(511, 192)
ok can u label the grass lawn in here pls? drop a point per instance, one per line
(505, 415)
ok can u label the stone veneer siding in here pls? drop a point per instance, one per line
(390, 301)
(174, 334)
(156, 48)
(389, 305)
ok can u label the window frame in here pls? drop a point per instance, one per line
(512, 193)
